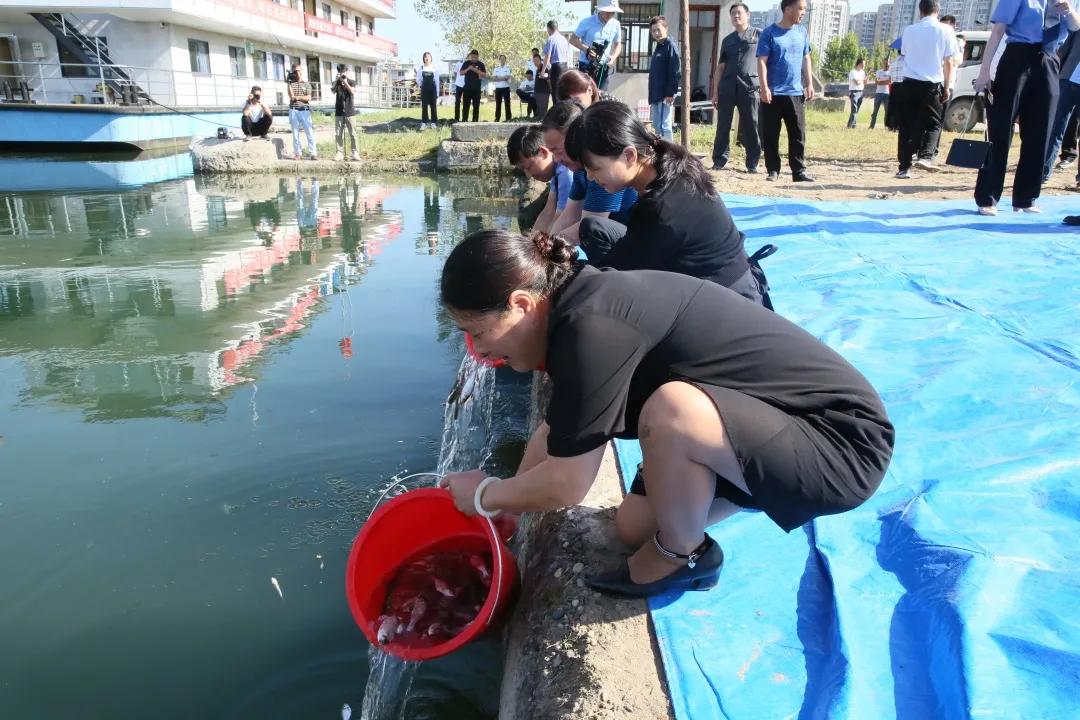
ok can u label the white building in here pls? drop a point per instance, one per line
(862, 25)
(195, 53)
(827, 19)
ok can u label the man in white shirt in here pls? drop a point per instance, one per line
(500, 76)
(928, 48)
(856, 80)
(459, 88)
(882, 80)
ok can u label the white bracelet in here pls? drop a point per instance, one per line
(480, 494)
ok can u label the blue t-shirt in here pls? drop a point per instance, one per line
(591, 30)
(559, 47)
(1031, 21)
(784, 50)
(597, 199)
(560, 185)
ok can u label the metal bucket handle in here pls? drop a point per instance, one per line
(497, 541)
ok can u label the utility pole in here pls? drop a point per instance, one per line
(684, 40)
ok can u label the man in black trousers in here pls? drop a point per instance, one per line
(737, 87)
(786, 75)
(473, 71)
(928, 48)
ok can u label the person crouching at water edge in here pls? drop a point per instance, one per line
(735, 407)
(678, 224)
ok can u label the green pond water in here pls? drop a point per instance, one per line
(203, 386)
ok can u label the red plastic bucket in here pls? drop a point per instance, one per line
(414, 524)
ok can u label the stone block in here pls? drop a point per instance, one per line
(475, 132)
(211, 155)
(455, 156)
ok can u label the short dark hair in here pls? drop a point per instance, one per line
(562, 116)
(734, 5)
(785, 4)
(341, 67)
(525, 142)
(255, 89)
(658, 20)
(528, 72)
(859, 61)
(552, 25)
(949, 19)
(928, 7)
(474, 51)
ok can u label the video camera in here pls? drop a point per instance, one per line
(598, 67)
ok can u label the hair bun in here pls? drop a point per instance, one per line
(555, 249)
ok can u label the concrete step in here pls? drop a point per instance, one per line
(475, 132)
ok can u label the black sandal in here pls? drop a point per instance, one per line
(702, 572)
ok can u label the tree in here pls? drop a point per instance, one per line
(840, 56)
(506, 27)
(875, 57)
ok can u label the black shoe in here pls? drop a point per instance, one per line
(773, 176)
(703, 576)
(801, 177)
(1072, 220)
(719, 166)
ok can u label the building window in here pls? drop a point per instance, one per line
(258, 62)
(345, 18)
(67, 60)
(326, 14)
(637, 44)
(199, 52)
(279, 66)
(328, 71)
(238, 61)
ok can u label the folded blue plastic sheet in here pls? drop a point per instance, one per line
(955, 591)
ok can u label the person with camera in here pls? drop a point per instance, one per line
(344, 90)
(473, 71)
(256, 116)
(599, 38)
(300, 113)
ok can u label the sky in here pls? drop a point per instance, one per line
(415, 35)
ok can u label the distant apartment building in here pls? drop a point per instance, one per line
(884, 28)
(862, 26)
(827, 19)
(196, 53)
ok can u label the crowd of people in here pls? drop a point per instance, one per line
(735, 407)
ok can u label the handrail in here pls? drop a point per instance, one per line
(175, 88)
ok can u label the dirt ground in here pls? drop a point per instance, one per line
(844, 180)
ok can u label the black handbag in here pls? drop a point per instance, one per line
(969, 153)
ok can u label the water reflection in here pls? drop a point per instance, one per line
(153, 302)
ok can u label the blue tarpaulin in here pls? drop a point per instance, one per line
(955, 591)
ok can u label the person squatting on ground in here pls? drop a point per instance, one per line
(787, 82)
(473, 71)
(500, 82)
(525, 92)
(1068, 103)
(882, 80)
(526, 151)
(300, 113)
(665, 74)
(587, 198)
(928, 48)
(427, 79)
(344, 91)
(735, 407)
(256, 117)
(737, 87)
(678, 224)
(856, 86)
(1025, 90)
(604, 29)
(557, 54)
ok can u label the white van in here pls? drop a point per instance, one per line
(965, 109)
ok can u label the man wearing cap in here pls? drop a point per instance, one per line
(601, 28)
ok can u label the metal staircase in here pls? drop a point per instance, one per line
(73, 37)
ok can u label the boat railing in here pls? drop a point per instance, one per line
(100, 84)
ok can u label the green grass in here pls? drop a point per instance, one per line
(827, 137)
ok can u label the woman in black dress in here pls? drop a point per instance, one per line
(735, 407)
(679, 222)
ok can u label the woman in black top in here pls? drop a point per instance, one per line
(735, 407)
(679, 223)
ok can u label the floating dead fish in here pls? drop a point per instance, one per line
(346, 712)
(277, 586)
